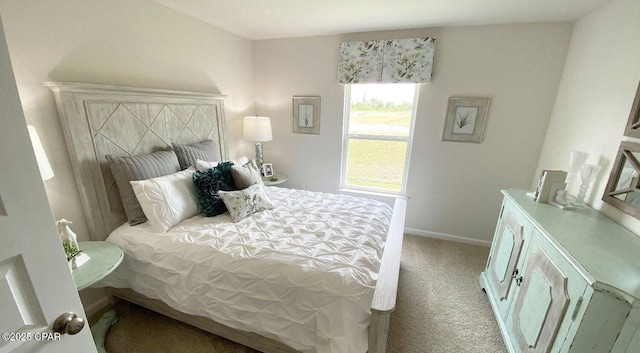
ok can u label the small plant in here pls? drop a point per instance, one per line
(70, 249)
(463, 121)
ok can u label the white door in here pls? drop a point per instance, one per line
(35, 283)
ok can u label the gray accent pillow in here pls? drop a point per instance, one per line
(188, 154)
(245, 175)
(141, 167)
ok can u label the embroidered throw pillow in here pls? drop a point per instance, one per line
(207, 185)
(243, 203)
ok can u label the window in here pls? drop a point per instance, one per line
(378, 129)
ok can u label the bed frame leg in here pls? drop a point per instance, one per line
(378, 332)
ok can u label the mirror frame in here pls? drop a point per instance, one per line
(633, 124)
(625, 152)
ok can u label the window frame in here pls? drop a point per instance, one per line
(345, 146)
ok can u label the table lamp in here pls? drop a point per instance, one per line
(258, 128)
(41, 157)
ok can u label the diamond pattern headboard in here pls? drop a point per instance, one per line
(99, 120)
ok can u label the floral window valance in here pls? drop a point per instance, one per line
(386, 61)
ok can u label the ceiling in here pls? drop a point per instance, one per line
(268, 19)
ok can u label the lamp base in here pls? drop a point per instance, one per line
(259, 156)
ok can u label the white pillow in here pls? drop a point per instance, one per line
(203, 166)
(167, 200)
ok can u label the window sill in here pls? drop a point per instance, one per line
(375, 194)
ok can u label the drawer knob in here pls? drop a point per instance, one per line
(519, 281)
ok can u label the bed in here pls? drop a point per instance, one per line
(98, 120)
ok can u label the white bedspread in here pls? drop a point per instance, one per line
(302, 273)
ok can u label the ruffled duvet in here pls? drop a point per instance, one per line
(302, 273)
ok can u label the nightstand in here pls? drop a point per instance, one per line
(279, 179)
(105, 257)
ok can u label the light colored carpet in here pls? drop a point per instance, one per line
(440, 309)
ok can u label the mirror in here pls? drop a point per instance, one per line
(623, 188)
(633, 124)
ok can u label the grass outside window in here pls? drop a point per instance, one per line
(381, 170)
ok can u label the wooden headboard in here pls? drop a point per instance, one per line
(99, 120)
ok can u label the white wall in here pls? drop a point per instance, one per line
(135, 43)
(595, 96)
(454, 188)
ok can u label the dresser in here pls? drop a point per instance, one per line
(563, 281)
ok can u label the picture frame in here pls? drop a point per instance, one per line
(306, 115)
(465, 119)
(633, 123)
(267, 170)
(545, 190)
(623, 187)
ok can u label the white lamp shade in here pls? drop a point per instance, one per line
(41, 157)
(257, 128)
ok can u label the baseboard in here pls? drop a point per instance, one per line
(449, 237)
(97, 305)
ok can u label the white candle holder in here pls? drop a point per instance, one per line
(588, 172)
(576, 160)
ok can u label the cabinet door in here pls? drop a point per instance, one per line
(540, 305)
(507, 246)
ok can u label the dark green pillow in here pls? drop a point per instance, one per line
(207, 185)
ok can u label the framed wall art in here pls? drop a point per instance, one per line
(633, 124)
(306, 115)
(465, 119)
